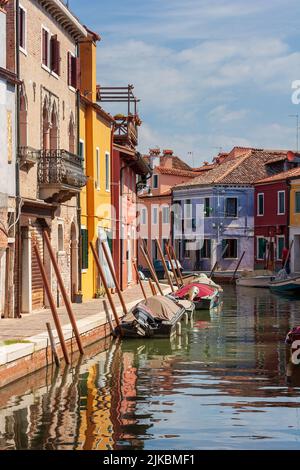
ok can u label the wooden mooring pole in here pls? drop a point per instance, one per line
(176, 263)
(64, 293)
(139, 279)
(172, 266)
(151, 269)
(103, 279)
(238, 265)
(52, 344)
(165, 265)
(113, 273)
(52, 304)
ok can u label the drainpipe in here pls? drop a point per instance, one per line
(17, 169)
(78, 195)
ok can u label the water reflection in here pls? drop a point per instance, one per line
(222, 384)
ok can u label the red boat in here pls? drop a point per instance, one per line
(205, 297)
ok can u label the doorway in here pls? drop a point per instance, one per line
(297, 253)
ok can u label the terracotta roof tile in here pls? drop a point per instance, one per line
(294, 172)
(176, 172)
(243, 169)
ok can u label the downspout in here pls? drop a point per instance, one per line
(17, 169)
(78, 195)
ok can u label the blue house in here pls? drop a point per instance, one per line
(214, 213)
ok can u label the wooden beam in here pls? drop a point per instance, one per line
(139, 279)
(176, 262)
(173, 269)
(238, 265)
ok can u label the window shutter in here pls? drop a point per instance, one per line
(85, 254)
(58, 58)
(45, 47)
(77, 73)
(69, 69)
(53, 58)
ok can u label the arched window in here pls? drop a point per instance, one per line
(54, 129)
(72, 135)
(46, 127)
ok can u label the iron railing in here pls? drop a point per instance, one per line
(61, 167)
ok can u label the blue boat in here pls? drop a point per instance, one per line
(288, 286)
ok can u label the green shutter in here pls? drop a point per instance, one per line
(84, 249)
(297, 202)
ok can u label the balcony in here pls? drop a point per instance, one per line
(60, 175)
(126, 132)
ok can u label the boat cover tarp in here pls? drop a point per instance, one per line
(160, 308)
(204, 290)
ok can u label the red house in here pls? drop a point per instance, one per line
(127, 168)
(271, 220)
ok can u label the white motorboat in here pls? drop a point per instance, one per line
(256, 278)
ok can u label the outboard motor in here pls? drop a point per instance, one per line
(193, 293)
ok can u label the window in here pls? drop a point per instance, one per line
(45, 48)
(81, 152)
(60, 238)
(166, 215)
(206, 249)
(155, 181)
(281, 202)
(144, 216)
(260, 204)
(22, 28)
(207, 209)
(97, 168)
(188, 209)
(107, 171)
(164, 242)
(186, 251)
(231, 206)
(84, 249)
(297, 202)
(280, 246)
(261, 247)
(73, 71)
(155, 215)
(154, 250)
(231, 248)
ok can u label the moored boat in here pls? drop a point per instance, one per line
(206, 298)
(288, 286)
(155, 317)
(255, 278)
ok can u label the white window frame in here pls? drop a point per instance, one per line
(107, 172)
(237, 208)
(70, 86)
(278, 205)
(98, 170)
(257, 212)
(157, 179)
(45, 67)
(166, 210)
(259, 237)
(277, 246)
(207, 240)
(155, 210)
(24, 49)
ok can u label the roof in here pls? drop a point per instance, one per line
(175, 162)
(175, 172)
(245, 169)
(63, 15)
(293, 173)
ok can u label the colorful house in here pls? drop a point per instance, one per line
(8, 190)
(295, 221)
(271, 220)
(155, 200)
(43, 39)
(218, 210)
(96, 128)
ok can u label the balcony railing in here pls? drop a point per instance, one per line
(61, 167)
(126, 132)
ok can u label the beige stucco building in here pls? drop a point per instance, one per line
(42, 49)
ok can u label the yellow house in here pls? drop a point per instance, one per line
(96, 129)
(295, 222)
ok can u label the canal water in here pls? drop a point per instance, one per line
(221, 385)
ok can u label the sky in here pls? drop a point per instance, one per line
(210, 74)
